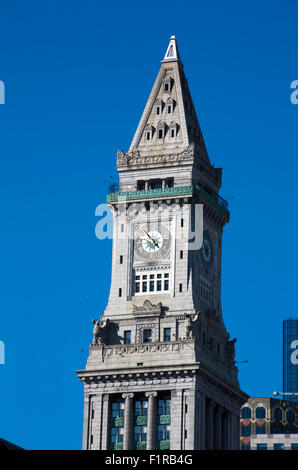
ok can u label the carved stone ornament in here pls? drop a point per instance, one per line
(100, 331)
(148, 307)
(190, 320)
(125, 158)
(135, 158)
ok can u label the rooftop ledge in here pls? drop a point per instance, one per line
(181, 191)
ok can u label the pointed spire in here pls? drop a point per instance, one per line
(169, 122)
(172, 53)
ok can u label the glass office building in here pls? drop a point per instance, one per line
(290, 358)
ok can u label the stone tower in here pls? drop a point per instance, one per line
(161, 371)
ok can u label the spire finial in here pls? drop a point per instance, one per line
(172, 53)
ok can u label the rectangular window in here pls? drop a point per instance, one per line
(261, 446)
(121, 259)
(141, 185)
(147, 336)
(141, 408)
(170, 182)
(205, 290)
(148, 135)
(167, 334)
(160, 134)
(127, 337)
(157, 282)
(172, 133)
(155, 184)
(122, 227)
(180, 287)
(117, 409)
(278, 446)
(140, 433)
(163, 432)
(120, 292)
(164, 406)
(181, 254)
(182, 222)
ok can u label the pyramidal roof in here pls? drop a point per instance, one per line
(169, 122)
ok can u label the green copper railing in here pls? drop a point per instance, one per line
(214, 199)
(116, 446)
(165, 419)
(164, 445)
(141, 445)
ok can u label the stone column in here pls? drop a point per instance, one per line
(235, 441)
(105, 428)
(191, 423)
(151, 420)
(218, 427)
(128, 421)
(177, 428)
(202, 420)
(210, 425)
(86, 421)
(227, 430)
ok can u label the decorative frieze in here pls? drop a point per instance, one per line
(143, 347)
(135, 158)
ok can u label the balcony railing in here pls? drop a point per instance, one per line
(168, 192)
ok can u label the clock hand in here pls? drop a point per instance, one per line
(150, 239)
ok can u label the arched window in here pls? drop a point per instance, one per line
(148, 132)
(260, 412)
(158, 107)
(160, 130)
(173, 129)
(170, 106)
(167, 85)
(246, 412)
(290, 416)
(277, 414)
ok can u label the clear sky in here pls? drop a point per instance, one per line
(77, 77)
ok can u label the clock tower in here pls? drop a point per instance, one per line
(161, 371)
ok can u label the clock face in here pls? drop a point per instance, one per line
(152, 241)
(207, 250)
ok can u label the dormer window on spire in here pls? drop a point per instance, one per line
(160, 130)
(167, 84)
(158, 107)
(173, 129)
(148, 132)
(170, 105)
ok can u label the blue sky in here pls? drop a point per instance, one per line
(77, 77)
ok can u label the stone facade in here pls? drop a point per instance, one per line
(161, 372)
